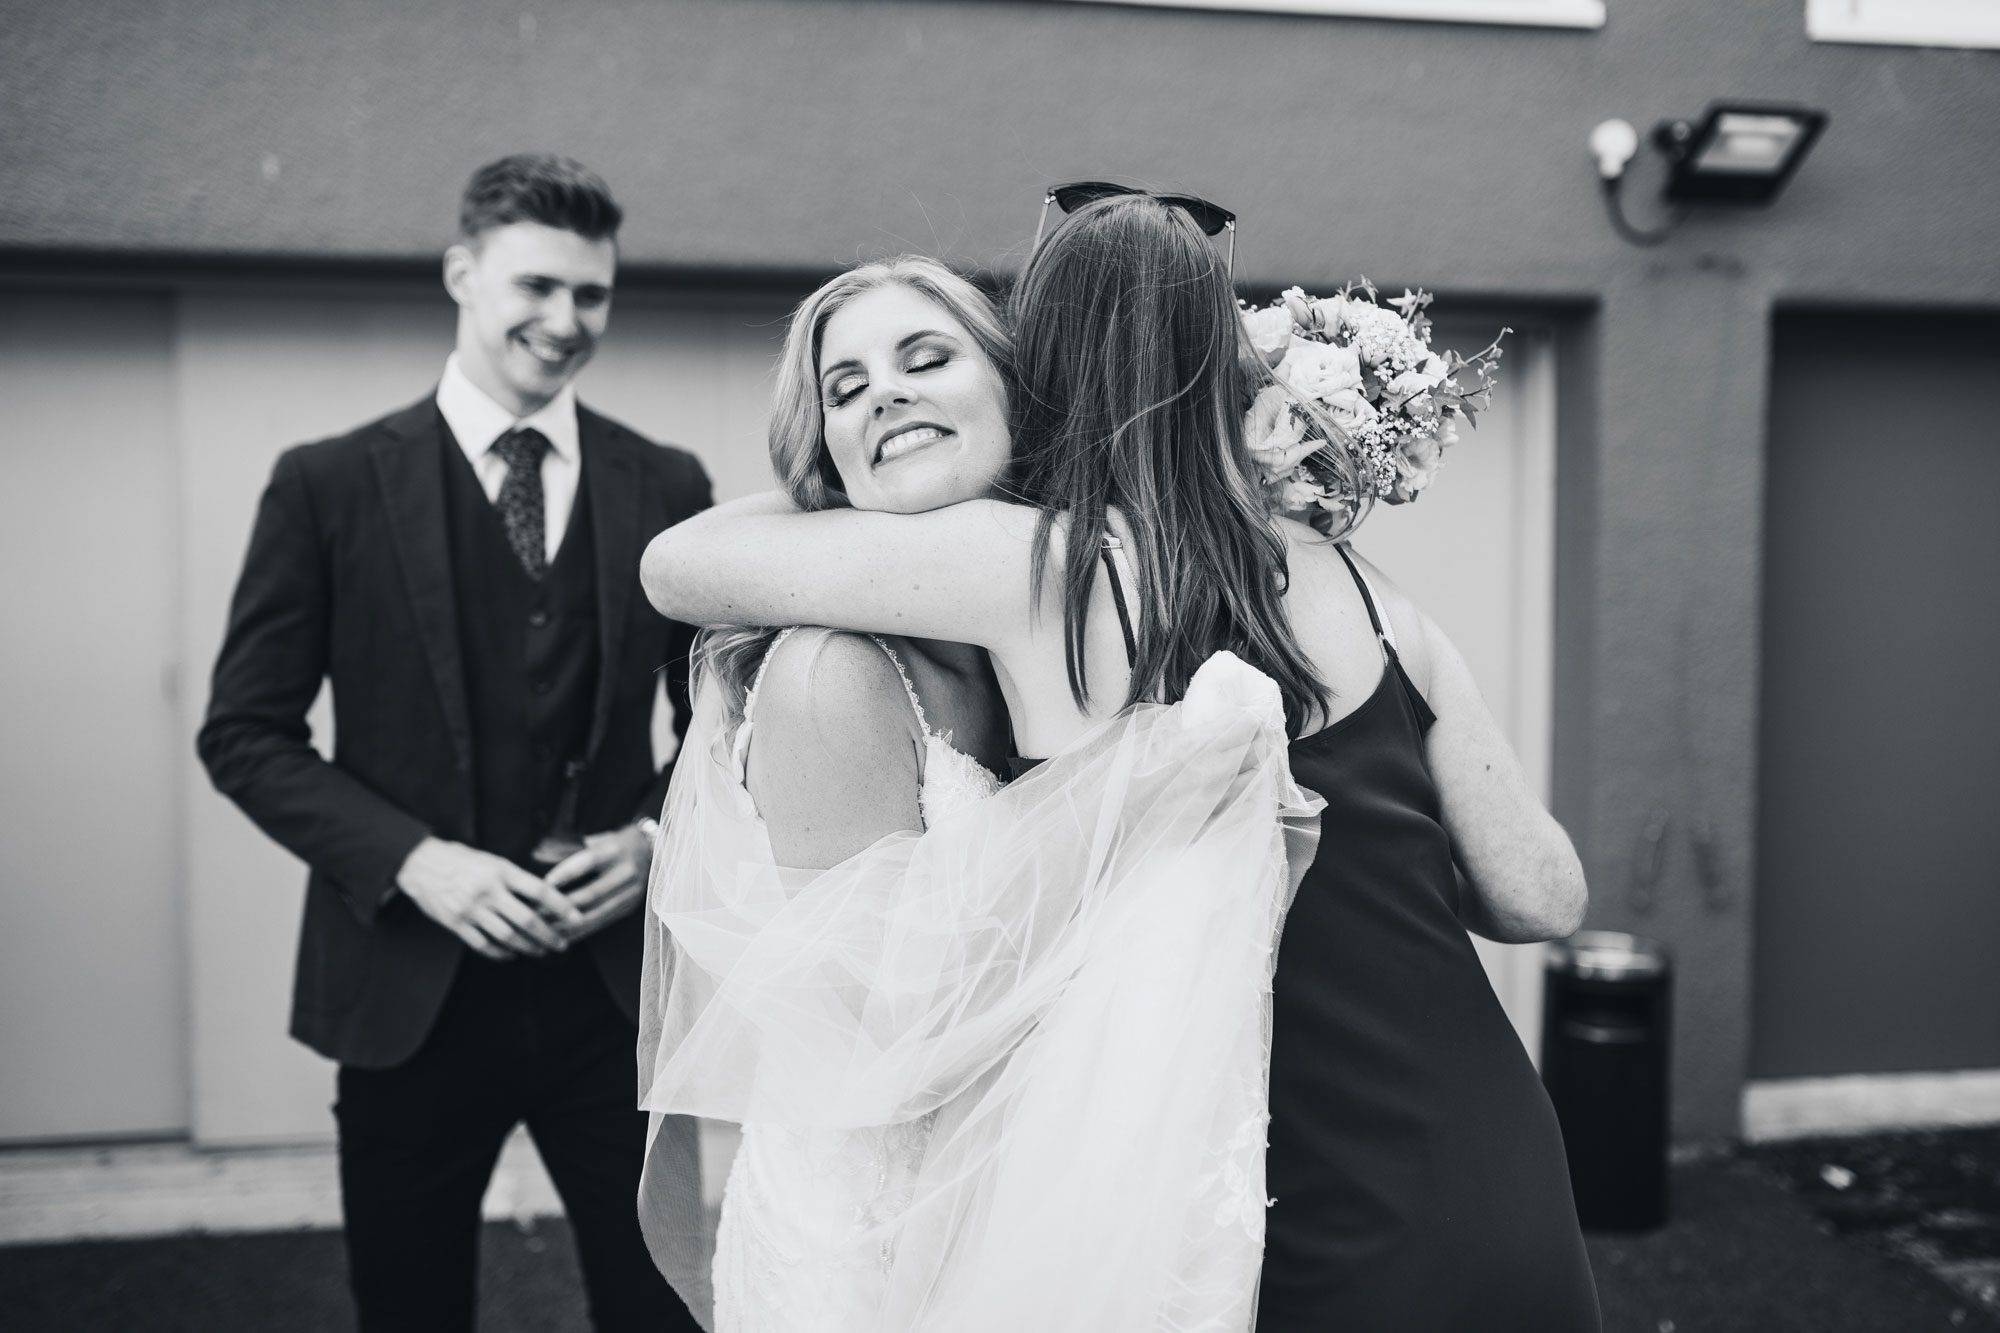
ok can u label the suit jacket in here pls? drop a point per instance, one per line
(348, 578)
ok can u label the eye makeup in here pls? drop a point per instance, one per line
(926, 349)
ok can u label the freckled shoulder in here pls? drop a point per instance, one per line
(835, 759)
(836, 693)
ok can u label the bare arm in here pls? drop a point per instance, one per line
(1526, 881)
(959, 573)
(1523, 878)
(833, 764)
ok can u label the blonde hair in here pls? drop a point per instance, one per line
(731, 654)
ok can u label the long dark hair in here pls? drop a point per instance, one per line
(1130, 393)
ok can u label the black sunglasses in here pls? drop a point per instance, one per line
(1213, 219)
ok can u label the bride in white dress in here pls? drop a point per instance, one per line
(845, 753)
(999, 1056)
(808, 1212)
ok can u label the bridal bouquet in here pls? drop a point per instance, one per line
(1362, 408)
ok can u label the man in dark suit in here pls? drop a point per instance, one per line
(465, 573)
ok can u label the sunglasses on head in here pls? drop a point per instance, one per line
(1213, 219)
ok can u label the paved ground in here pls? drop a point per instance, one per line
(275, 1282)
(1768, 1240)
(1931, 1198)
(1753, 1245)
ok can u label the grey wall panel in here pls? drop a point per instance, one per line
(92, 979)
(802, 133)
(1878, 875)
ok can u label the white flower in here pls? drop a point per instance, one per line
(1298, 305)
(1270, 331)
(1350, 410)
(1422, 378)
(1382, 338)
(1371, 319)
(1419, 456)
(1273, 432)
(1320, 370)
(1417, 460)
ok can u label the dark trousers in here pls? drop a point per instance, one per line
(529, 1040)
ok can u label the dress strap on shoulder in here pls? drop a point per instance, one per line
(757, 681)
(1383, 629)
(740, 745)
(1113, 554)
(909, 687)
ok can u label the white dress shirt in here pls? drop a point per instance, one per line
(477, 421)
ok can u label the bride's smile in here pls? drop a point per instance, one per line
(906, 439)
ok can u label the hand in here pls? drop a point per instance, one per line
(606, 880)
(498, 909)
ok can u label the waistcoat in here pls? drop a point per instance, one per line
(531, 656)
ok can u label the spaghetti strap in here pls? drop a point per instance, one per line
(739, 747)
(1383, 630)
(923, 723)
(1113, 554)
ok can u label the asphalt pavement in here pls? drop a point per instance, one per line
(1888, 1234)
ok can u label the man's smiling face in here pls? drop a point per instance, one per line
(532, 303)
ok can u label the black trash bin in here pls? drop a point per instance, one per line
(1605, 1039)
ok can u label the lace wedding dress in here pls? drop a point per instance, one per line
(1009, 1073)
(804, 1241)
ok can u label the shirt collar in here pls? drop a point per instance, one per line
(476, 421)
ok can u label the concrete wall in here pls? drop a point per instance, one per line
(760, 133)
(760, 136)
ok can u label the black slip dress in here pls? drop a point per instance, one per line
(1415, 1163)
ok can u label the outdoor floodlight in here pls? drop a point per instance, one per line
(1737, 153)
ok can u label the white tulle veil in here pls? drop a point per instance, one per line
(1073, 974)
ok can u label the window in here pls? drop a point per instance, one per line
(1543, 13)
(1905, 22)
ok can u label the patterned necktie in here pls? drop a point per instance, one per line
(520, 498)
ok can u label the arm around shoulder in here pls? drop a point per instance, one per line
(958, 573)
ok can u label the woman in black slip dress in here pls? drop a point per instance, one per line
(1415, 1165)
(1418, 1176)
(1415, 1162)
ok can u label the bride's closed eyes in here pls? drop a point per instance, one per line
(933, 350)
